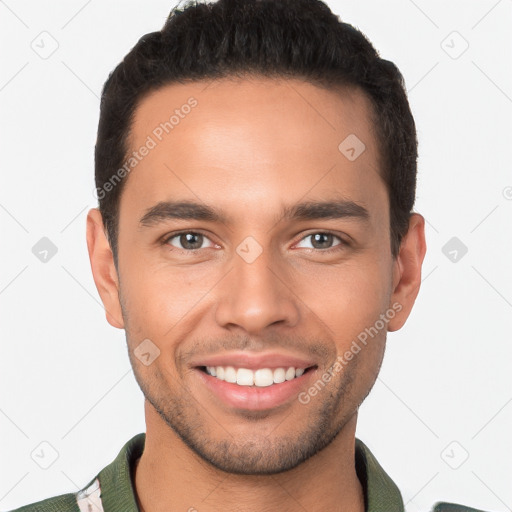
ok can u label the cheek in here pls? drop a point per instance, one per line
(348, 298)
(150, 285)
(160, 302)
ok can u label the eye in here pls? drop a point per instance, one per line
(193, 241)
(322, 240)
(188, 240)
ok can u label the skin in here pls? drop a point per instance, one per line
(250, 147)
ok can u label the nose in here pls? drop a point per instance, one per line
(256, 295)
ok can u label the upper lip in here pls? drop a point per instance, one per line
(253, 360)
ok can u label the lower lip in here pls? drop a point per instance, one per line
(255, 398)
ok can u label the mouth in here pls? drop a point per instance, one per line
(256, 389)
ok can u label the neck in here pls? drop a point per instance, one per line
(170, 477)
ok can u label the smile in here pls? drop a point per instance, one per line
(261, 377)
(257, 388)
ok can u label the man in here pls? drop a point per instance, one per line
(256, 173)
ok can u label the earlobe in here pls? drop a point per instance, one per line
(103, 268)
(407, 270)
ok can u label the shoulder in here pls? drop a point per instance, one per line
(453, 507)
(62, 503)
(112, 483)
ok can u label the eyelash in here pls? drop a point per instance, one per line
(343, 243)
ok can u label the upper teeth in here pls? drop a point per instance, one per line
(261, 377)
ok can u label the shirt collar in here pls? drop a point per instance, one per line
(118, 494)
(380, 492)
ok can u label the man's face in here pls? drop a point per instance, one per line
(297, 289)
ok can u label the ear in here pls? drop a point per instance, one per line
(407, 271)
(103, 268)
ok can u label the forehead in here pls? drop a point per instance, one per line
(252, 140)
(253, 105)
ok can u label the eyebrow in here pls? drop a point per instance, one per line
(309, 210)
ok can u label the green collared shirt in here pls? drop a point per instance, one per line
(112, 490)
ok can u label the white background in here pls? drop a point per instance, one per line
(66, 377)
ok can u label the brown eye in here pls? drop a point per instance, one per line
(188, 241)
(321, 240)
